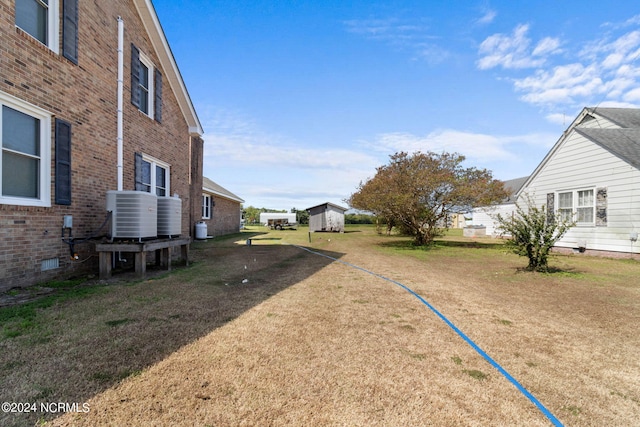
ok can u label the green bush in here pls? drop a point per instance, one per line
(533, 232)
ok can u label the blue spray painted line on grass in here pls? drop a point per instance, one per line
(480, 351)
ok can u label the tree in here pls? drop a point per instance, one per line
(533, 232)
(251, 215)
(301, 216)
(420, 192)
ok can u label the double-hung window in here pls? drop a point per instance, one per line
(585, 206)
(578, 205)
(206, 206)
(25, 169)
(39, 18)
(152, 176)
(146, 85)
(565, 206)
(145, 88)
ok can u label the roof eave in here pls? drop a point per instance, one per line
(585, 111)
(153, 27)
(223, 195)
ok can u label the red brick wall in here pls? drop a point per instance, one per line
(225, 217)
(85, 95)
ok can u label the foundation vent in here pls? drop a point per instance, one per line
(50, 264)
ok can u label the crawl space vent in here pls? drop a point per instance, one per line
(50, 264)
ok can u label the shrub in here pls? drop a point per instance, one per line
(533, 232)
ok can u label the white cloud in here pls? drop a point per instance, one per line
(560, 86)
(390, 30)
(488, 17)
(558, 118)
(603, 69)
(265, 151)
(632, 95)
(476, 147)
(514, 51)
(548, 45)
(231, 137)
(271, 170)
(406, 35)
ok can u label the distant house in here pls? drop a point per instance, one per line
(221, 209)
(326, 217)
(592, 174)
(483, 216)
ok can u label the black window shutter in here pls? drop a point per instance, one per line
(551, 214)
(63, 163)
(135, 76)
(601, 207)
(70, 30)
(139, 171)
(157, 87)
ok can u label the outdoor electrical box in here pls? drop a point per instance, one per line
(68, 221)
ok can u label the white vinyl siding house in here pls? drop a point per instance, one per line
(484, 216)
(591, 175)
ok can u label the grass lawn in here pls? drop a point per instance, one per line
(270, 334)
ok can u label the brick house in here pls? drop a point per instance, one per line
(221, 209)
(92, 100)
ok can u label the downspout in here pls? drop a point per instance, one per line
(120, 97)
(120, 119)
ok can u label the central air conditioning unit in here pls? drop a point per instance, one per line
(134, 214)
(169, 216)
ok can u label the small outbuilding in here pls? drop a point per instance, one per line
(326, 217)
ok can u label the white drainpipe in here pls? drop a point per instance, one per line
(120, 97)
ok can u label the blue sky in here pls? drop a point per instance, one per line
(302, 100)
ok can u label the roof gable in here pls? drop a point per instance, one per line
(620, 136)
(326, 205)
(152, 25)
(624, 143)
(623, 117)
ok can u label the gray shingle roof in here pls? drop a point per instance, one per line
(212, 187)
(624, 143)
(513, 186)
(623, 117)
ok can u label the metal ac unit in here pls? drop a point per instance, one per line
(134, 214)
(169, 216)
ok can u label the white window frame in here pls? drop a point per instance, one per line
(166, 166)
(576, 206)
(151, 97)
(44, 116)
(207, 207)
(53, 26)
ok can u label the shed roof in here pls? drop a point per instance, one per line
(327, 204)
(218, 190)
(624, 143)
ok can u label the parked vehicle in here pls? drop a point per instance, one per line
(278, 220)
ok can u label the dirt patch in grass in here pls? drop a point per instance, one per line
(308, 341)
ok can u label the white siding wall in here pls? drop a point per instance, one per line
(483, 216)
(598, 123)
(580, 164)
(335, 219)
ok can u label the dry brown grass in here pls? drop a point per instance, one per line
(307, 341)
